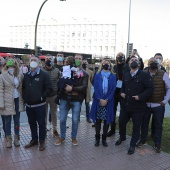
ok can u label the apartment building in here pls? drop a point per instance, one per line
(91, 38)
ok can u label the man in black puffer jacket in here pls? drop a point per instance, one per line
(36, 87)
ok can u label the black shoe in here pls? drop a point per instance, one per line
(157, 148)
(97, 143)
(88, 120)
(93, 125)
(131, 150)
(119, 141)
(140, 143)
(32, 143)
(110, 133)
(104, 143)
(42, 146)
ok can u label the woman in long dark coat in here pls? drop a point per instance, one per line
(103, 102)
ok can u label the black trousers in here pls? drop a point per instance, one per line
(158, 116)
(136, 120)
(37, 115)
(98, 127)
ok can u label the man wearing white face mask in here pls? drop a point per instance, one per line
(159, 58)
(36, 87)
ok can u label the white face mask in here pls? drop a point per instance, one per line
(11, 70)
(159, 61)
(33, 64)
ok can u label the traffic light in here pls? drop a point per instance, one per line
(39, 51)
(129, 50)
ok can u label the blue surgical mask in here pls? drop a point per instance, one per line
(60, 59)
(0, 63)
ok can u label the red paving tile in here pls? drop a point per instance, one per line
(85, 156)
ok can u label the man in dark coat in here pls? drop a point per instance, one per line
(36, 87)
(137, 87)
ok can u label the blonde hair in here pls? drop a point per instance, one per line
(101, 68)
(16, 66)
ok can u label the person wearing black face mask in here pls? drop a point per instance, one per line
(88, 90)
(102, 108)
(136, 88)
(155, 104)
(54, 76)
(118, 69)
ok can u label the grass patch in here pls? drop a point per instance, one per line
(165, 146)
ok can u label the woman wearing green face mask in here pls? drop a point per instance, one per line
(11, 102)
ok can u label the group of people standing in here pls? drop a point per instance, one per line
(141, 93)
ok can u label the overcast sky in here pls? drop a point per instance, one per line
(150, 19)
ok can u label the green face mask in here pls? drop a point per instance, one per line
(77, 63)
(10, 63)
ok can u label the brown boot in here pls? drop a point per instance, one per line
(42, 146)
(55, 134)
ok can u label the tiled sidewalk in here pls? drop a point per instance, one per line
(85, 156)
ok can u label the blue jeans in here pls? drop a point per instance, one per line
(37, 115)
(16, 119)
(64, 108)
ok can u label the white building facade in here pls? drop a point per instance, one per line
(89, 38)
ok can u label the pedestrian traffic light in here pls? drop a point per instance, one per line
(129, 50)
(39, 51)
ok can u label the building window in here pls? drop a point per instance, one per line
(106, 48)
(112, 34)
(106, 41)
(84, 41)
(112, 48)
(62, 48)
(100, 48)
(89, 33)
(84, 34)
(67, 33)
(100, 33)
(106, 34)
(62, 34)
(79, 34)
(73, 34)
(95, 48)
(95, 41)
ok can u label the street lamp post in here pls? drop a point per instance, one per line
(127, 53)
(36, 24)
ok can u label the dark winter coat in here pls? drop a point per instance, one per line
(36, 88)
(98, 94)
(141, 85)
